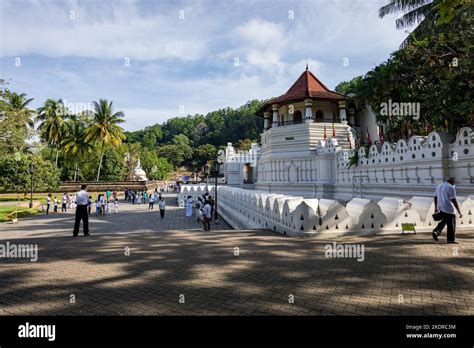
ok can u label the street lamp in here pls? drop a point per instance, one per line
(32, 172)
(219, 161)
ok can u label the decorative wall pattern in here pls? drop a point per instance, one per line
(296, 216)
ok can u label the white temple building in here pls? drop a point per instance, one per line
(300, 182)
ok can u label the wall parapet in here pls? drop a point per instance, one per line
(297, 216)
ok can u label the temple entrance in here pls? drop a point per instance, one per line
(319, 116)
(248, 174)
(297, 117)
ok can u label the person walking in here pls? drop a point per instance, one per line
(199, 206)
(56, 202)
(151, 202)
(102, 204)
(189, 206)
(82, 199)
(445, 202)
(211, 203)
(107, 208)
(98, 206)
(68, 200)
(206, 216)
(48, 203)
(116, 205)
(162, 206)
(64, 203)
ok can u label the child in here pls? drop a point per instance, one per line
(102, 204)
(116, 203)
(98, 206)
(55, 204)
(107, 208)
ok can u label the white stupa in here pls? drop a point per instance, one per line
(139, 173)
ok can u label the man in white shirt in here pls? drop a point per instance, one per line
(82, 200)
(445, 202)
(64, 203)
(162, 205)
(206, 216)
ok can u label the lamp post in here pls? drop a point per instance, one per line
(219, 161)
(32, 172)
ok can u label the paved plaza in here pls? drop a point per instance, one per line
(175, 268)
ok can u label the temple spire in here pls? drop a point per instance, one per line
(306, 66)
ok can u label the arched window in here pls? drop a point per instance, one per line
(319, 116)
(297, 117)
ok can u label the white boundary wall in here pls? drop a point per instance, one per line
(404, 169)
(297, 216)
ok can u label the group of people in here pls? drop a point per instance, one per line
(67, 202)
(139, 197)
(103, 203)
(445, 204)
(204, 209)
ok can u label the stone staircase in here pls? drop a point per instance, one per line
(317, 133)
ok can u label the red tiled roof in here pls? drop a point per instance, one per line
(306, 86)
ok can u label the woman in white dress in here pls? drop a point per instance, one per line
(189, 206)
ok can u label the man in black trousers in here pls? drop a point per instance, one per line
(82, 199)
(445, 202)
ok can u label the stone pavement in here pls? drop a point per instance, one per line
(172, 260)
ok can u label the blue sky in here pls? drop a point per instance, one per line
(185, 57)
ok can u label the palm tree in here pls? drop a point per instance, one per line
(74, 142)
(414, 11)
(52, 116)
(16, 104)
(105, 128)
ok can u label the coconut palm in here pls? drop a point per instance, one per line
(17, 105)
(105, 128)
(414, 10)
(52, 117)
(74, 143)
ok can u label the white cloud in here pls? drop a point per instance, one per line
(186, 62)
(118, 32)
(262, 43)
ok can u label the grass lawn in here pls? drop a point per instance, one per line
(11, 197)
(22, 212)
(41, 197)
